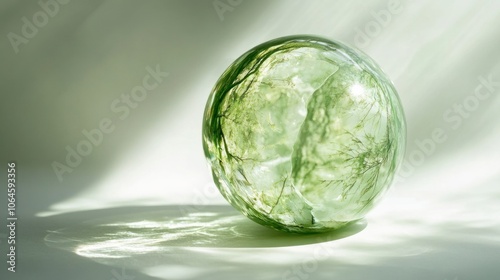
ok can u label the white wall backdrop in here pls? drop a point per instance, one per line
(139, 203)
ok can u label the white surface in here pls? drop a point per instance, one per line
(439, 221)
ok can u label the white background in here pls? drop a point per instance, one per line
(126, 210)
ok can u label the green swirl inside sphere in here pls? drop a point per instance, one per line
(303, 134)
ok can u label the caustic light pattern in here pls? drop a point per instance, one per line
(303, 134)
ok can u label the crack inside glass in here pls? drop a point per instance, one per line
(303, 134)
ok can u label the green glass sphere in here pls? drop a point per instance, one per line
(303, 134)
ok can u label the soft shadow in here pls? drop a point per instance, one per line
(142, 230)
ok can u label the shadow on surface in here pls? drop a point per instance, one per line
(140, 230)
(442, 236)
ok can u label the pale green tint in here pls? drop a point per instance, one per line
(303, 134)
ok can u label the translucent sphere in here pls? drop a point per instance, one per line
(303, 134)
